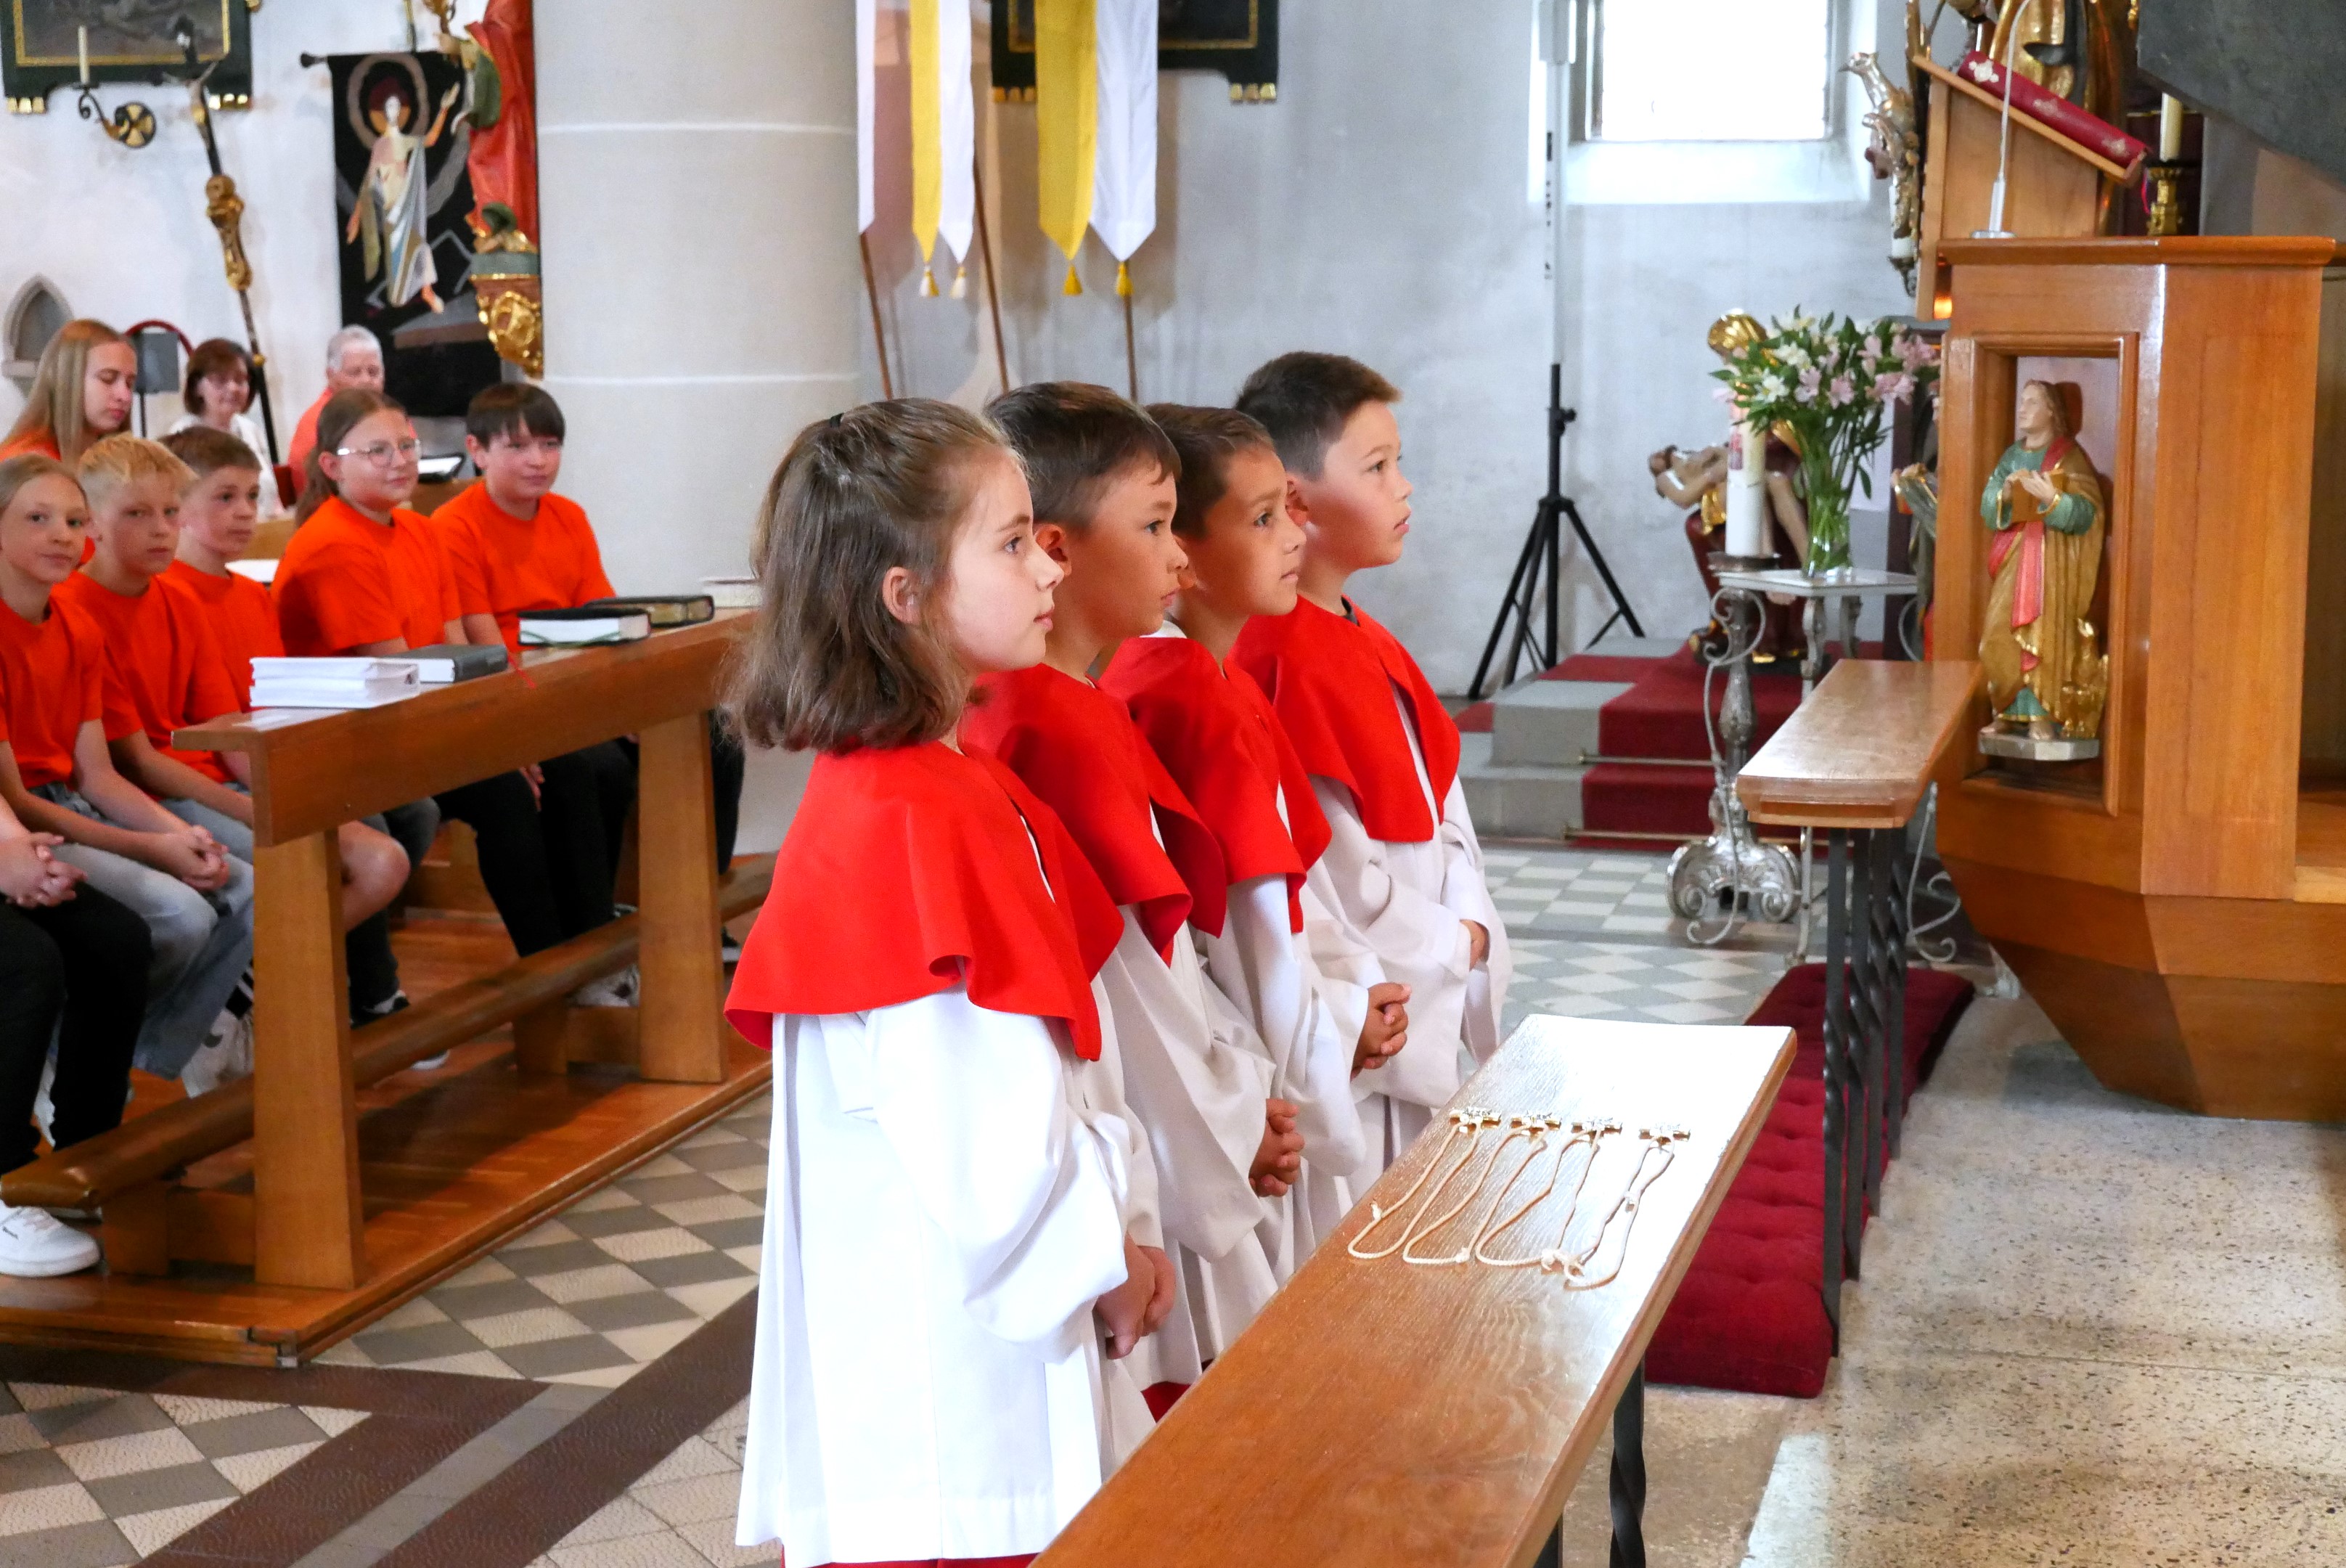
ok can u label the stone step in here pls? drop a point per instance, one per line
(1548, 723)
(1517, 800)
(1617, 646)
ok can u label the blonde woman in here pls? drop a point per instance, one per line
(81, 391)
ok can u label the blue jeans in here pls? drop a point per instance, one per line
(202, 941)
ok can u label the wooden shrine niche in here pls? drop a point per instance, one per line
(2177, 903)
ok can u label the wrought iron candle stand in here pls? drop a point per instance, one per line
(1732, 862)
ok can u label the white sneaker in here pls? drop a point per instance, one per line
(612, 990)
(428, 1064)
(225, 1056)
(34, 1244)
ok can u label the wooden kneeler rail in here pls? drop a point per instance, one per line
(1381, 1415)
(333, 1216)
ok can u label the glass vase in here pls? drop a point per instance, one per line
(1828, 503)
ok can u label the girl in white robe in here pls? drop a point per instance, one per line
(953, 1194)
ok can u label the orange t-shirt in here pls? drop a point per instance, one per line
(243, 621)
(507, 564)
(160, 651)
(43, 441)
(52, 682)
(347, 580)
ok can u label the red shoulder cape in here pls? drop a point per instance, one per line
(1331, 683)
(1076, 747)
(908, 869)
(1217, 737)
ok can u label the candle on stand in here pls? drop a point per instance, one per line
(85, 56)
(2170, 128)
(1747, 474)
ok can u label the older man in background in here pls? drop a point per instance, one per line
(353, 359)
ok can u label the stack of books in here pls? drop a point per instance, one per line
(331, 682)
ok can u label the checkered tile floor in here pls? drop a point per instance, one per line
(615, 1282)
(90, 1478)
(680, 1512)
(1588, 891)
(1636, 982)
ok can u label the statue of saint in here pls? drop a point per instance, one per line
(2046, 676)
(390, 215)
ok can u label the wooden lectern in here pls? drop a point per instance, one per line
(2053, 189)
(2164, 902)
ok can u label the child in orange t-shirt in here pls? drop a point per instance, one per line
(58, 775)
(217, 514)
(366, 577)
(517, 546)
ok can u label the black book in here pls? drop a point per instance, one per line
(664, 609)
(444, 662)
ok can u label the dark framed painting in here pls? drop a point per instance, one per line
(125, 41)
(1238, 38)
(403, 194)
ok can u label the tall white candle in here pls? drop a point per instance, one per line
(1747, 476)
(2170, 128)
(85, 56)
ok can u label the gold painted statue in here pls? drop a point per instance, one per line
(2047, 675)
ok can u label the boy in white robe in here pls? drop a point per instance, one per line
(1323, 1009)
(1198, 1076)
(1403, 870)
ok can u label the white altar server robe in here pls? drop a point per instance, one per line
(1308, 1015)
(941, 1214)
(1405, 902)
(1195, 1076)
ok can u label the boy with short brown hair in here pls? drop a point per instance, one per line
(1102, 478)
(1323, 1009)
(218, 512)
(1404, 869)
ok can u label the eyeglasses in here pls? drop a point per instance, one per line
(382, 453)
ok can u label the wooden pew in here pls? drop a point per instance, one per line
(1384, 1415)
(327, 1251)
(1855, 760)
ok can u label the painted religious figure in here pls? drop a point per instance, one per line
(2047, 675)
(392, 217)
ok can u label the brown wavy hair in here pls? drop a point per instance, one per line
(212, 357)
(53, 407)
(343, 410)
(826, 667)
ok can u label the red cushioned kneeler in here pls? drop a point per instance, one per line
(1750, 1315)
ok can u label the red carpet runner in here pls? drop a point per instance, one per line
(1750, 1315)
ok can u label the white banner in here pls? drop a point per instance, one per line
(1124, 174)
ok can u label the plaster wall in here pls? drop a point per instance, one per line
(1382, 207)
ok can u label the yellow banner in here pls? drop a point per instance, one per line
(1066, 120)
(928, 161)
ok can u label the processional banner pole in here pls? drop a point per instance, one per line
(225, 207)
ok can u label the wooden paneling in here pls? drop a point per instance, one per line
(1379, 1415)
(560, 700)
(1861, 750)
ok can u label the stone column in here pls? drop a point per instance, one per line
(696, 185)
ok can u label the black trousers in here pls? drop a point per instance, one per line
(367, 957)
(549, 863)
(76, 968)
(727, 767)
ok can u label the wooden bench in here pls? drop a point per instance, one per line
(1856, 759)
(325, 1251)
(1381, 1415)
